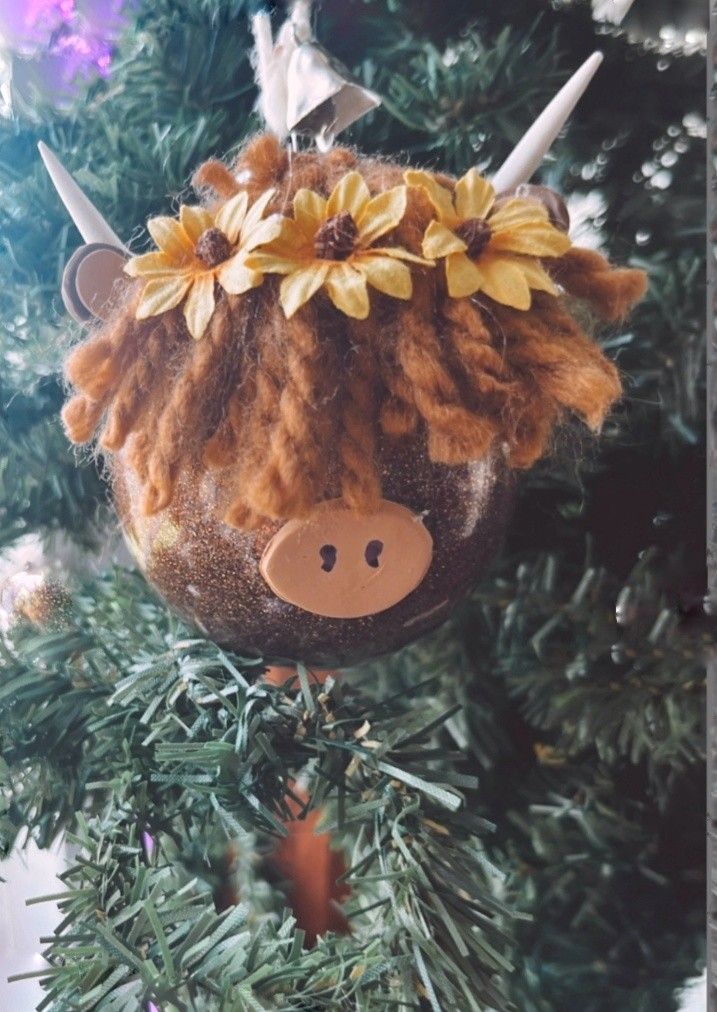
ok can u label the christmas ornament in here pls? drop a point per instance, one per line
(32, 597)
(317, 391)
(305, 858)
(303, 88)
(311, 868)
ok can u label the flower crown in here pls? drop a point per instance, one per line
(489, 244)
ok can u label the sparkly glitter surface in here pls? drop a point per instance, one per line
(209, 572)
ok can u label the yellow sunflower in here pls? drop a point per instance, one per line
(199, 249)
(489, 249)
(329, 243)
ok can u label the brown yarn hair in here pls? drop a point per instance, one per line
(282, 405)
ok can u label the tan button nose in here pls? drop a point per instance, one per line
(339, 564)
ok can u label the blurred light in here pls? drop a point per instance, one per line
(667, 38)
(661, 180)
(695, 125)
(613, 11)
(694, 996)
(51, 44)
(586, 210)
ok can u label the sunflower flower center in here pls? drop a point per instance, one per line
(213, 247)
(476, 234)
(336, 239)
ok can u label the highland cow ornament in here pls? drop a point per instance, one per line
(316, 392)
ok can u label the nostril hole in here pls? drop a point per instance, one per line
(373, 552)
(328, 556)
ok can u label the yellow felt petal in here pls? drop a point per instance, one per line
(439, 241)
(350, 194)
(161, 295)
(236, 278)
(532, 238)
(398, 252)
(171, 238)
(439, 196)
(302, 285)
(347, 290)
(475, 196)
(504, 281)
(291, 241)
(199, 307)
(265, 231)
(536, 276)
(518, 212)
(194, 221)
(381, 214)
(230, 216)
(256, 212)
(389, 276)
(462, 275)
(309, 211)
(149, 264)
(267, 262)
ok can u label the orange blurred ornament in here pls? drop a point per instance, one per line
(305, 858)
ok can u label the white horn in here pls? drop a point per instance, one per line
(90, 223)
(530, 151)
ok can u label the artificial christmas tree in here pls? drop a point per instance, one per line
(517, 796)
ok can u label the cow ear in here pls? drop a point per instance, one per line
(550, 199)
(91, 279)
(94, 270)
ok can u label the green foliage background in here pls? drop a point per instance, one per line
(525, 830)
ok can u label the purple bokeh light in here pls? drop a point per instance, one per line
(71, 38)
(149, 845)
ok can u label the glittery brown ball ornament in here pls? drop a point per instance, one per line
(35, 598)
(210, 572)
(325, 473)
